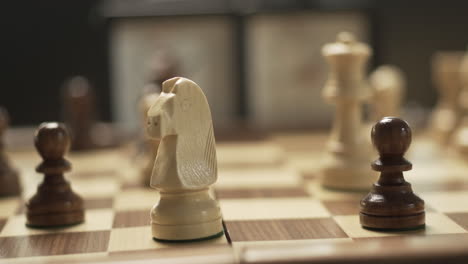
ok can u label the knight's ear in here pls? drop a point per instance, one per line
(168, 86)
(169, 105)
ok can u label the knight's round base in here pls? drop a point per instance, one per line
(392, 223)
(187, 232)
(55, 220)
(189, 240)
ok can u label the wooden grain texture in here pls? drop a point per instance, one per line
(131, 218)
(182, 253)
(98, 203)
(261, 193)
(283, 229)
(440, 181)
(460, 218)
(410, 251)
(349, 207)
(53, 244)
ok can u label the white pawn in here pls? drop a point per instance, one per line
(185, 166)
(346, 164)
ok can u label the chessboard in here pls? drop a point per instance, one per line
(273, 207)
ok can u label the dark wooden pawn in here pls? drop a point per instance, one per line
(391, 203)
(54, 204)
(9, 181)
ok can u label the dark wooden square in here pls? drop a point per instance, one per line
(286, 192)
(283, 229)
(131, 218)
(348, 207)
(54, 244)
(460, 218)
(99, 203)
(2, 224)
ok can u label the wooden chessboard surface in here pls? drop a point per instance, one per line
(273, 207)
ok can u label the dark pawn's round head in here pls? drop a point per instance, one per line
(391, 136)
(52, 140)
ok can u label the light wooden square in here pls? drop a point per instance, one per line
(140, 238)
(447, 202)
(8, 206)
(137, 199)
(70, 258)
(315, 189)
(108, 159)
(435, 224)
(248, 154)
(272, 208)
(306, 162)
(90, 188)
(257, 177)
(98, 219)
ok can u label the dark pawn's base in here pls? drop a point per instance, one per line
(189, 240)
(395, 230)
(55, 220)
(393, 223)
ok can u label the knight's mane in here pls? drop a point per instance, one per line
(195, 150)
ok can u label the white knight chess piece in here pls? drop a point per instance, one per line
(185, 165)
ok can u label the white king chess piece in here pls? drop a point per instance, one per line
(185, 165)
(346, 163)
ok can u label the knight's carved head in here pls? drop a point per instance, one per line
(160, 114)
(182, 110)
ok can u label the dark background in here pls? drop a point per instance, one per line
(45, 42)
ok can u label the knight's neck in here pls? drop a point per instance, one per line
(169, 142)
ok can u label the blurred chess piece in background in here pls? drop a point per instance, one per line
(161, 67)
(346, 163)
(460, 139)
(388, 84)
(445, 118)
(9, 179)
(79, 112)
